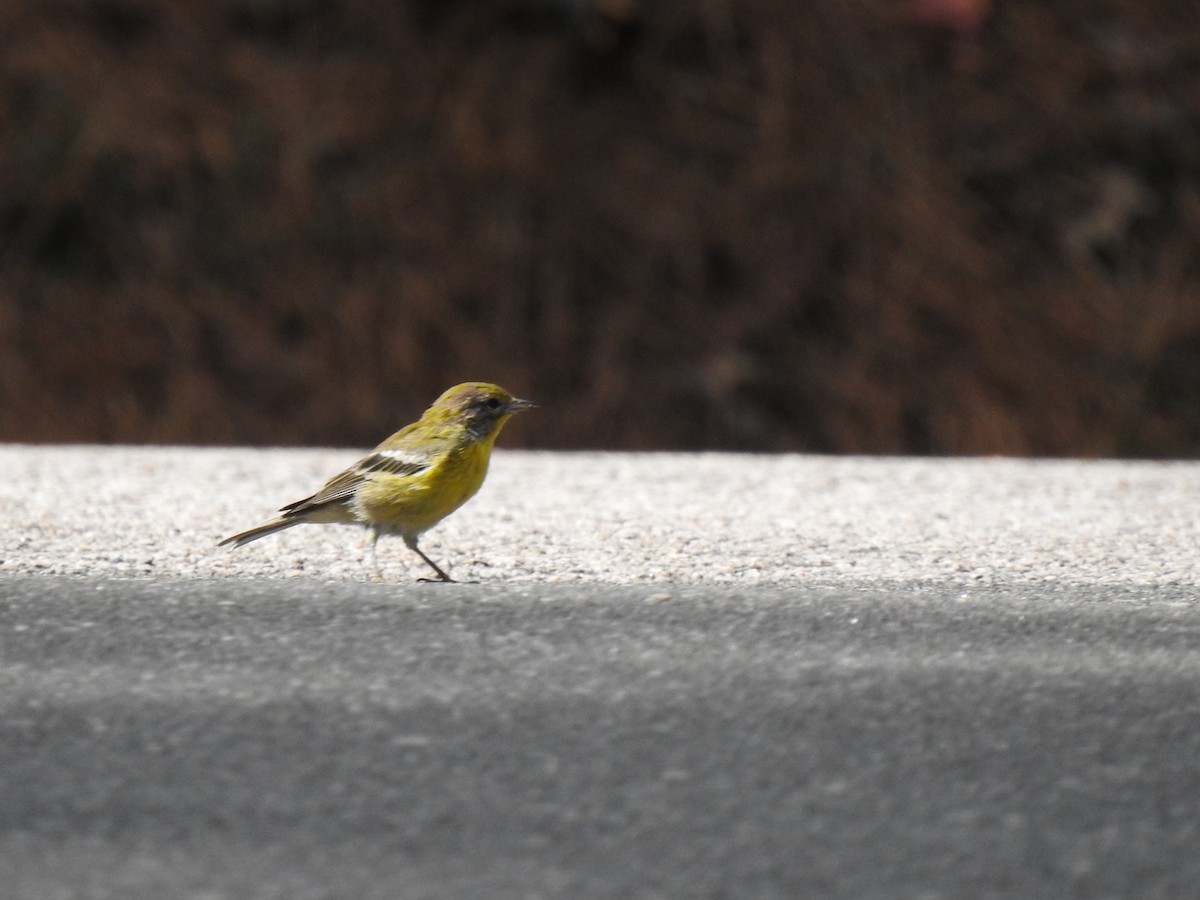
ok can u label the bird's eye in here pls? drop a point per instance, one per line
(492, 403)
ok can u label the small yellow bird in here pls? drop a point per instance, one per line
(415, 478)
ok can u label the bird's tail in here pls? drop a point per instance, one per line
(258, 531)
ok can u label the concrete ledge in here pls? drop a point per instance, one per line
(619, 518)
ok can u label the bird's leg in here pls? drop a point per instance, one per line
(376, 572)
(411, 543)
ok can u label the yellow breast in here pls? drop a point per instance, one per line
(411, 504)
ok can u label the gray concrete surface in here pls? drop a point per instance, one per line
(277, 739)
(678, 676)
(618, 518)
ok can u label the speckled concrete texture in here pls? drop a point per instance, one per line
(617, 518)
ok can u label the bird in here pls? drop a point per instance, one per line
(413, 479)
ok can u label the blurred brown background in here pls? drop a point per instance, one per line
(886, 226)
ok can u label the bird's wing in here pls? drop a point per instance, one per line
(394, 461)
(341, 487)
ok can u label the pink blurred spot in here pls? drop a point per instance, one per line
(961, 16)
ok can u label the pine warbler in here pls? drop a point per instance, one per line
(415, 478)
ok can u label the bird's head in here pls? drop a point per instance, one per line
(480, 406)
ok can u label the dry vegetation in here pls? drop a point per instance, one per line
(752, 224)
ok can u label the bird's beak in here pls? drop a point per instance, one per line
(516, 405)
